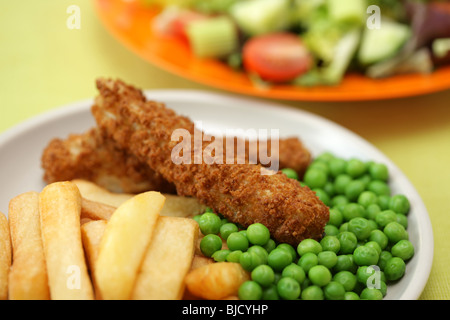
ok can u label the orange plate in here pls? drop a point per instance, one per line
(130, 23)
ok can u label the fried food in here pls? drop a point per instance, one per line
(240, 192)
(124, 243)
(92, 210)
(167, 260)
(91, 235)
(92, 157)
(60, 208)
(100, 203)
(28, 279)
(5, 256)
(216, 281)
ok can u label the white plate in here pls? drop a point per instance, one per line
(21, 148)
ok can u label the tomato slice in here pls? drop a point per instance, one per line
(277, 57)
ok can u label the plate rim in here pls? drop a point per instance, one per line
(165, 95)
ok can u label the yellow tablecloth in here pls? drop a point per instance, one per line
(44, 65)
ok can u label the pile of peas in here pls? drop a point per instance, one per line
(365, 244)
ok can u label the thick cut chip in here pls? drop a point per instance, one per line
(167, 260)
(124, 243)
(60, 209)
(28, 279)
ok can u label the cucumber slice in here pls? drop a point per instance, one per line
(213, 38)
(349, 11)
(380, 44)
(343, 55)
(256, 17)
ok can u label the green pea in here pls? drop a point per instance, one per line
(322, 195)
(395, 232)
(257, 233)
(279, 258)
(295, 272)
(344, 263)
(339, 200)
(394, 269)
(315, 178)
(237, 241)
(270, 245)
(402, 219)
(312, 293)
(220, 255)
(334, 291)
(250, 260)
(319, 165)
(353, 210)
(290, 173)
(354, 189)
(375, 245)
(371, 294)
(360, 227)
(365, 256)
(348, 242)
(383, 201)
(226, 229)
(403, 249)
(234, 256)
(263, 275)
(351, 296)
(309, 245)
(319, 275)
(197, 217)
(327, 259)
(250, 290)
(384, 217)
(336, 217)
(384, 258)
(347, 279)
(210, 244)
(270, 293)
(399, 203)
(209, 223)
(355, 168)
(288, 288)
(379, 237)
(330, 243)
(379, 187)
(325, 157)
(379, 171)
(260, 251)
(372, 210)
(366, 275)
(307, 261)
(366, 198)
(329, 189)
(341, 182)
(337, 166)
(289, 249)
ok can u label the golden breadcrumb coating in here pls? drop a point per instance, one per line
(240, 192)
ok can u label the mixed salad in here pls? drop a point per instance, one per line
(312, 42)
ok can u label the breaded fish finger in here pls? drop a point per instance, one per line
(238, 191)
(93, 157)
